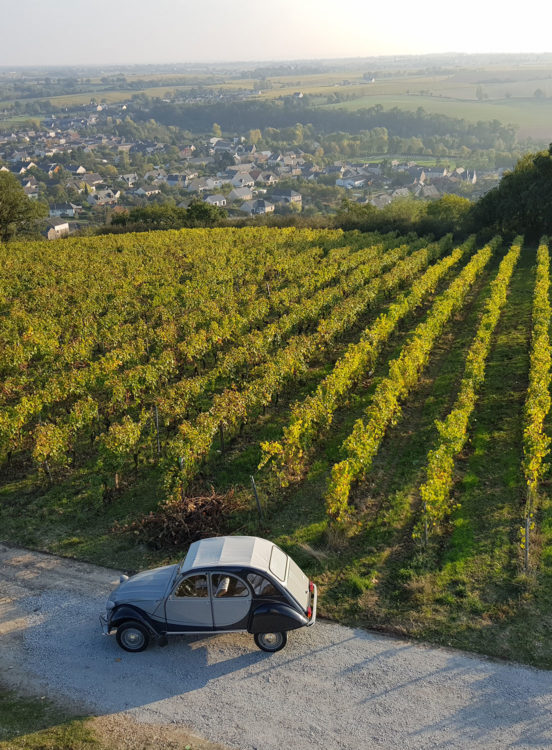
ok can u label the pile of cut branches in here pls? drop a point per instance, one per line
(181, 521)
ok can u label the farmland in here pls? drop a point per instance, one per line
(513, 91)
(383, 391)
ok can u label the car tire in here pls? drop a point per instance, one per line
(133, 636)
(271, 642)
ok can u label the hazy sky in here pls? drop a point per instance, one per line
(36, 32)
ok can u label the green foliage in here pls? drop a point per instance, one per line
(450, 213)
(167, 216)
(18, 214)
(522, 203)
(536, 442)
(453, 430)
(404, 372)
(312, 418)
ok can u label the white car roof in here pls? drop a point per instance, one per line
(249, 551)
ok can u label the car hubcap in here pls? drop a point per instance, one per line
(272, 639)
(132, 638)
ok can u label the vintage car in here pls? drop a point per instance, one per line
(230, 583)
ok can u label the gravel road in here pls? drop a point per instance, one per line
(331, 687)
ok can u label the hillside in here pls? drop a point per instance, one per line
(375, 386)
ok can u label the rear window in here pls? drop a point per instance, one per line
(278, 563)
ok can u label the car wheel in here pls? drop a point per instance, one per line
(270, 641)
(132, 636)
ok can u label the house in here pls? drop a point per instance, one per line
(310, 172)
(91, 180)
(379, 201)
(216, 200)
(427, 191)
(106, 197)
(76, 169)
(176, 180)
(130, 179)
(222, 146)
(56, 230)
(240, 194)
(400, 193)
(145, 192)
(266, 178)
(197, 185)
(31, 193)
(435, 172)
(29, 182)
(355, 181)
(243, 180)
(275, 160)
(20, 167)
(62, 209)
(286, 196)
(236, 169)
(373, 169)
(257, 207)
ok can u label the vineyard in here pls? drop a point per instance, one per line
(378, 405)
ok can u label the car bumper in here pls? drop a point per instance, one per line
(104, 622)
(313, 605)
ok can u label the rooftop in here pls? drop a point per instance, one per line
(247, 551)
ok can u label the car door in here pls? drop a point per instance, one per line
(188, 606)
(231, 601)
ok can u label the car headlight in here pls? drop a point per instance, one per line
(110, 605)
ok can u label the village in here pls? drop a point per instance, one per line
(87, 176)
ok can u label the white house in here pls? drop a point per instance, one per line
(57, 230)
(216, 200)
(257, 207)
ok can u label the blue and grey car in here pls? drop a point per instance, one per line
(224, 584)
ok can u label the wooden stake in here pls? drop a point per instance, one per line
(259, 509)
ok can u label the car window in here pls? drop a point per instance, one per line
(227, 586)
(193, 586)
(261, 585)
(278, 563)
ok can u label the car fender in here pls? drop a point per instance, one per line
(125, 612)
(274, 617)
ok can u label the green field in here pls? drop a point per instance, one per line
(520, 95)
(123, 397)
(532, 117)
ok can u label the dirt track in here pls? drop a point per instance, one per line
(331, 687)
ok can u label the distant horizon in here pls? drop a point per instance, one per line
(175, 32)
(271, 61)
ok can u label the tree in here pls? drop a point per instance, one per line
(217, 132)
(254, 136)
(17, 212)
(522, 203)
(200, 214)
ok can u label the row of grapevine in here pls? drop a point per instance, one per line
(312, 418)
(132, 357)
(404, 372)
(132, 386)
(61, 307)
(536, 443)
(232, 407)
(453, 430)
